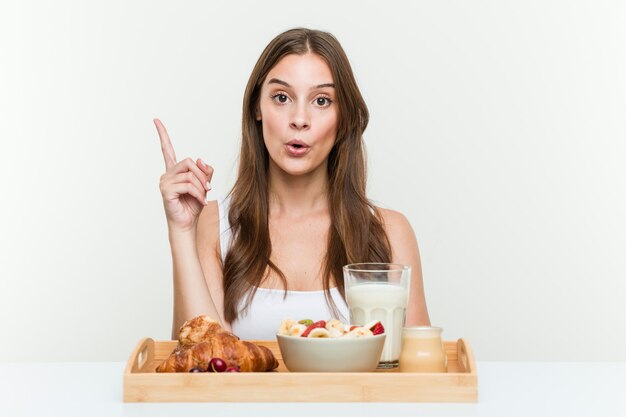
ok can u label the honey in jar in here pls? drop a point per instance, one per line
(422, 350)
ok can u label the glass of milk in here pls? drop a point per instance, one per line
(379, 291)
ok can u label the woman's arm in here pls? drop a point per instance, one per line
(405, 251)
(183, 188)
(191, 293)
(209, 252)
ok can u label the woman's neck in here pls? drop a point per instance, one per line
(297, 195)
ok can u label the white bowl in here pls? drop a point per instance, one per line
(341, 354)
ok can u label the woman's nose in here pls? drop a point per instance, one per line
(300, 118)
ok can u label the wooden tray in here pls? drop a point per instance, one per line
(142, 383)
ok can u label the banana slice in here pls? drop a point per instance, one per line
(284, 327)
(371, 324)
(297, 329)
(359, 332)
(334, 333)
(334, 324)
(319, 332)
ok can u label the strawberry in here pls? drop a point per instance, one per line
(378, 328)
(316, 325)
(352, 328)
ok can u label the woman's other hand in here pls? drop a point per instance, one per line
(183, 186)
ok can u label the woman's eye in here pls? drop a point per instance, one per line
(323, 101)
(281, 98)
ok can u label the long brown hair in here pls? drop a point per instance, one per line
(356, 233)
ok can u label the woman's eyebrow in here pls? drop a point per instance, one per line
(331, 85)
(277, 81)
(286, 84)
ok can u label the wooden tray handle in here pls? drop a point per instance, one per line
(464, 356)
(141, 357)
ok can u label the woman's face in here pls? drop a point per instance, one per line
(299, 115)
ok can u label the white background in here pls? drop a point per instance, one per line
(497, 128)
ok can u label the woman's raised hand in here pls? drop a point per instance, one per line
(183, 186)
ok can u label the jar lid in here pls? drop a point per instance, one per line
(422, 331)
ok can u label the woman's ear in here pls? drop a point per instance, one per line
(258, 114)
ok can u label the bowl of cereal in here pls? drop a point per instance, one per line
(330, 346)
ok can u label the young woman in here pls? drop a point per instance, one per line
(274, 248)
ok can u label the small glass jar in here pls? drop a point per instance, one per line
(422, 350)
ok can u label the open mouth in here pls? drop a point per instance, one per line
(297, 148)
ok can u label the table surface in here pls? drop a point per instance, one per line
(504, 389)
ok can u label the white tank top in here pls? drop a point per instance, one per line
(269, 307)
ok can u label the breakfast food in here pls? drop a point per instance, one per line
(217, 365)
(332, 328)
(204, 345)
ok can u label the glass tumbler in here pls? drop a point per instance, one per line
(379, 291)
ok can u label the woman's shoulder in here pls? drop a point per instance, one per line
(208, 228)
(397, 227)
(404, 247)
(392, 218)
(209, 216)
(213, 214)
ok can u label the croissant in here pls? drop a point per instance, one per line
(201, 339)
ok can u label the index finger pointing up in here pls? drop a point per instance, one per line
(166, 145)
